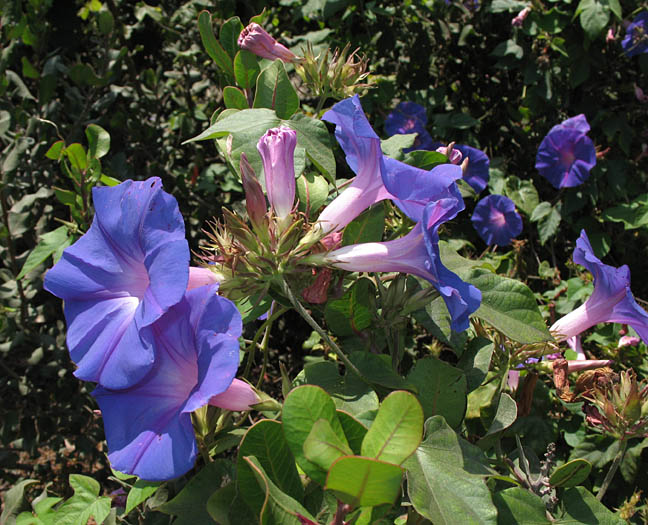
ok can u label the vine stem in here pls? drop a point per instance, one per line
(262, 329)
(623, 444)
(307, 317)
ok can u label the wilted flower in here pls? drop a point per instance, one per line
(409, 117)
(148, 426)
(566, 154)
(416, 253)
(496, 220)
(635, 40)
(257, 40)
(520, 17)
(119, 278)
(277, 149)
(611, 302)
(378, 177)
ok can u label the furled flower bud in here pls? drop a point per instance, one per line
(239, 396)
(454, 155)
(257, 40)
(519, 19)
(277, 149)
(628, 340)
(255, 201)
(199, 276)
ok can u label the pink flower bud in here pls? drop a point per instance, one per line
(609, 37)
(454, 155)
(257, 40)
(628, 340)
(199, 276)
(255, 201)
(238, 397)
(639, 94)
(277, 149)
(519, 19)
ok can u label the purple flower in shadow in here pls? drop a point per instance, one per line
(378, 177)
(635, 40)
(148, 426)
(496, 220)
(416, 253)
(409, 117)
(566, 154)
(611, 302)
(119, 278)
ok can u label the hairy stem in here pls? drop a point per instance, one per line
(623, 445)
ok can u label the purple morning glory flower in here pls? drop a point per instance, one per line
(611, 302)
(416, 253)
(566, 154)
(409, 117)
(477, 174)
(496, 220)
(635, 40)
(130, 267)
(377, 177)
(148, 426)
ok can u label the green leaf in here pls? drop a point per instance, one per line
(504, 417)
(509, 306)
(141, 491)
(348, 392)
(445, 478)
(265, 440)
(570, 474)
(364, 482)
(352, 312)
(275, 91)
(594, 17)
(523, 193)
(13, 500)
(277, 507)
(84, 504)
(425, 160)
(582, 507)
(394, 145)
(212, 46)
(234, 98)
(220, 504)
(49, 244)
(397, 429)
(56, 150)
(304, 406)
(313, 136)
(548, 218)
(442, 389)
(190, 505)
(500, 6)
(368, 227)
(98, 141)
(323, 446)
(517, 505)
(510, 47)
(229, 33)
(28, 70)
(353, 430)
(312, 192)
(378, 369)
(435, 318)
(632, 215)
(475, 361)
(77, 155)
(246, 69)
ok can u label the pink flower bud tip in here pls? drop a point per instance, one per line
(519, 19)
(257, 40)
(238, 397)
(277, 150)
(454, 155)
(199, 276)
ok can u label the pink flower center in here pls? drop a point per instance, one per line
(497, 218)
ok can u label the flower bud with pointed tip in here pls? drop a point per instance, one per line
(199, 276)
(277, 150)
(255, 202)
(454, 155)
(257, 40)
(238, 397)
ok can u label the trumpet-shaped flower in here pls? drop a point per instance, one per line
(611, 302)
(378, 177)
(409, 117)
(496, 220)
(257, 40)
(566, 154)
(635, 40)
(148, 426)
(416, 253)
(119, 278)
(277, 149)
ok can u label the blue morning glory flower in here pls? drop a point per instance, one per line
(496, 220)
(635, 40)
(409, 117)
(130, 267)
(148, 426)
(416, 253)
(477, 174)
(566, 154)
(611, 302)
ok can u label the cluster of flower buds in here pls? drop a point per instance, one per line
(338, 75)
(619, 408)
